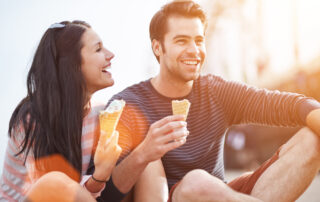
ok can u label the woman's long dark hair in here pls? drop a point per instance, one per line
(52, 112)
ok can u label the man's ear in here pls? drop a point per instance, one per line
(156, 47)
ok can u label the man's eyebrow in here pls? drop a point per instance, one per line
(181, 36)
(186, 36)
(199, 37)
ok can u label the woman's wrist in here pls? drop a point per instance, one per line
(98, 180)
(94, 186)
(100, 176)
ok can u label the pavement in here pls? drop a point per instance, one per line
(312, 194)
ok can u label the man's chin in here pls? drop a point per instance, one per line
(192, 77)
(189, 80)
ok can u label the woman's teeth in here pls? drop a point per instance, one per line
(105, 69)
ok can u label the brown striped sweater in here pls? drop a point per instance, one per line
(216, 104)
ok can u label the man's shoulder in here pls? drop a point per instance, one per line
(135, 92)
(211, 79)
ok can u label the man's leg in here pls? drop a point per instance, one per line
(289, 176)
(198, 185)
(57, 186)
(152, 184)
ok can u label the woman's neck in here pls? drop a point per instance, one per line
(87, 105)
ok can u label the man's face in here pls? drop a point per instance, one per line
(183, 51)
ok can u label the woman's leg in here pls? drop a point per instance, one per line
(57, 186)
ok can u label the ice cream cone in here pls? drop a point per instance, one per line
(109, 118)
(180, 107)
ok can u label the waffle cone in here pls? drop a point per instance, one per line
(109, 121)
(180, 107)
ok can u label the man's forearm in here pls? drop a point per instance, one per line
(127, 173)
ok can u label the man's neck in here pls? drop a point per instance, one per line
(170, 87)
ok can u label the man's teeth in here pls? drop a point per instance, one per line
(192, 62)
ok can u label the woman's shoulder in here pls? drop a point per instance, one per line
(96, 107)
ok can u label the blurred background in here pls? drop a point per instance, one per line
(273, 44)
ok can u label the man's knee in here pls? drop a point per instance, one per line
(200, 183)
(309, 144)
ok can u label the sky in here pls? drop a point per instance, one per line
(123, 26)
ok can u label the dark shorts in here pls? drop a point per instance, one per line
(244, 183)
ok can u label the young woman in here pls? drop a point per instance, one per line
(54, 128)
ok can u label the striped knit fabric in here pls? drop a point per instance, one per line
(216, 104)
(17, 177)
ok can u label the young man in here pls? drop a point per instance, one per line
(195, 170)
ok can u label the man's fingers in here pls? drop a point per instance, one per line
(166, 120)
(174, 135)
(184, 138)
(174, 144)
(171, 126)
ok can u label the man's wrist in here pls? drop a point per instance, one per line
(140, 157)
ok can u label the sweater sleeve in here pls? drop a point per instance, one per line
(15, 180)
(247, 104)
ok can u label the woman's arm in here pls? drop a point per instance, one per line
(105, 158)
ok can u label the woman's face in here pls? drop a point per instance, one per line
(96, 61)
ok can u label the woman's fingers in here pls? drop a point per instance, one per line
(116, 138)
(118, 152)
(113, 140)
(102, 138)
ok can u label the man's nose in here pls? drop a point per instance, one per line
(193, 48)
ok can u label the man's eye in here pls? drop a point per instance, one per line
(99, 49)
(181, 41)
(200, 42)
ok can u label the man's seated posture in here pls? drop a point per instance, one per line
(194, 165)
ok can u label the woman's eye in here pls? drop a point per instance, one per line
(99, 49)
